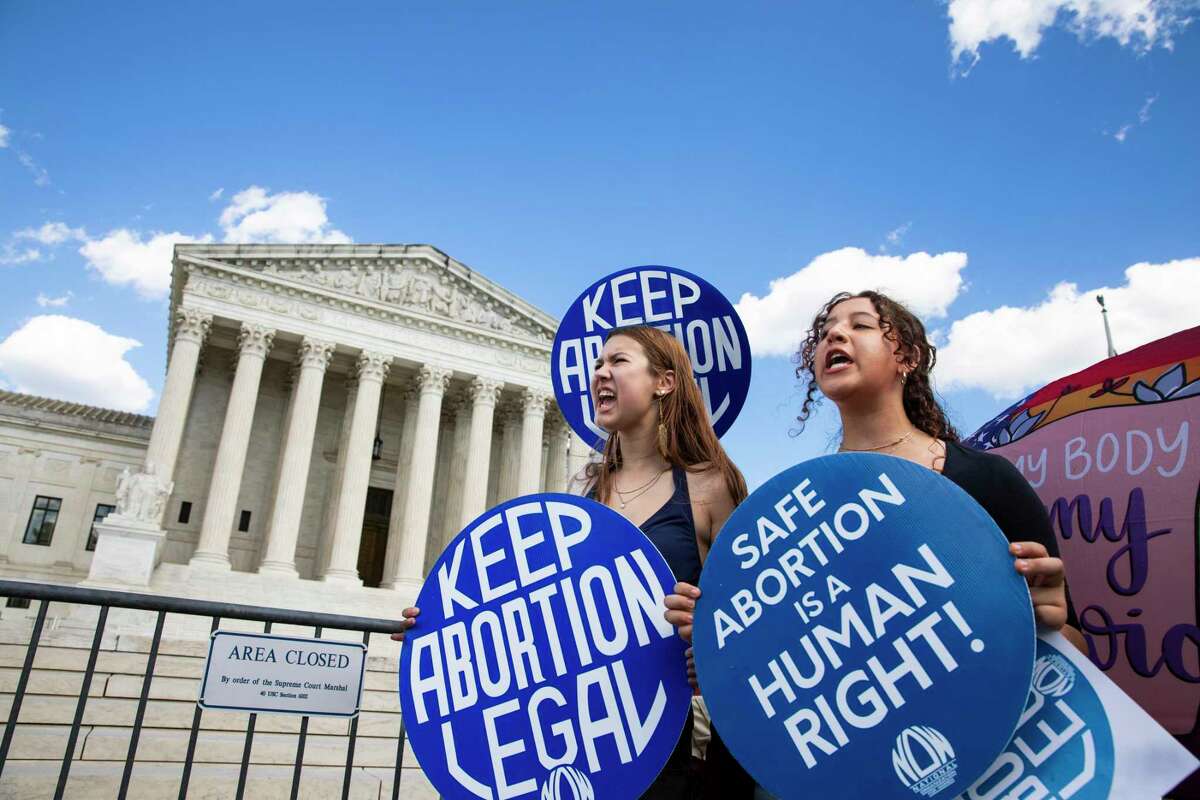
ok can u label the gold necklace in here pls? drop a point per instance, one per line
(901, 440)
(639, 491)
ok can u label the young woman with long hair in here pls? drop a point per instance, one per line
(870, 356)
(650, 404)
(664, 470)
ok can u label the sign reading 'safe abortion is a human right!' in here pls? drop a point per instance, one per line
(541, 665)
(862, 633)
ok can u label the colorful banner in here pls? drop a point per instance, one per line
(675, 301)
(541, 665)
(1081, 737)
(1112, 452)
(861, 632)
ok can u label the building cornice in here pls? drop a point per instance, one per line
(266, 268)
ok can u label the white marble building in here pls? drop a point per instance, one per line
(330, 416)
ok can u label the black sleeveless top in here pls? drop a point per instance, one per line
(672, 529)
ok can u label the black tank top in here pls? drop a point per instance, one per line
(672, 529)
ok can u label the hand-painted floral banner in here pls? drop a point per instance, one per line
(1111, 451)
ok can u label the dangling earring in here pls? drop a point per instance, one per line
(904, 377)
(662, 429)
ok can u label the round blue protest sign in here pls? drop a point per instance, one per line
(675, 301)
(862, 632)
(541, 665)
(1063, 745)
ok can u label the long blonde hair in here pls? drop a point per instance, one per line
(686, 438)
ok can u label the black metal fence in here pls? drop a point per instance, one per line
(104, 600)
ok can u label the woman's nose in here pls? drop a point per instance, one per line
(835, 334)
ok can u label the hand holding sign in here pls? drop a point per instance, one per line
(543, 662)
(853, 609)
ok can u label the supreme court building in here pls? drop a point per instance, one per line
(331, 416)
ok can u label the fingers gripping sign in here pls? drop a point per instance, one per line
(542, 657)
(860, 615)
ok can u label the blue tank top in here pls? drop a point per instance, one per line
(672, 529)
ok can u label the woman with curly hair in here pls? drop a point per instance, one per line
(870, 356)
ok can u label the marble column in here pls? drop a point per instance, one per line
(556, 459)
(352, 499)
(191, 328)
(578, 456)
(484, 394)
(408, 431)
(280, 552)
(510, 451)
(212, 550)
(440, 497)
(431, 382)
(289, 386)
(335, 481)
(533, 414)
(463, 408)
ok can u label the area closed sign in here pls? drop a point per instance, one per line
(283, 675)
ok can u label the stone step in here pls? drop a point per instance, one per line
(226, 747)
(38, 742)
(56, 682)
(58, 710)
(107, 661)
(381, 673)
(100, 780)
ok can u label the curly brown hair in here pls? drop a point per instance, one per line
(913, 348)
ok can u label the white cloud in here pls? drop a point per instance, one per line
(216, 195)
(11, 254)
(895, 236)
(1144, 111)
(54, 302)
(1009, 351)
(777, 322)
(52, 233)
(122, 258)
(4, 136)
(40, 176)
(1140, 24)
(255, 215)
(71, 359)
(1143, 116)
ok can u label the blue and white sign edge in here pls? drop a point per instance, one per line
(405, 695)
(1149, 762)
(954, 489)
(595, 437)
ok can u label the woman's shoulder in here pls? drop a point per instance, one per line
(985, 476)
(704, 476)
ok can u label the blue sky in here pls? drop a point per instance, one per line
(547, 144)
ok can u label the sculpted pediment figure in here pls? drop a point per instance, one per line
(421, 288)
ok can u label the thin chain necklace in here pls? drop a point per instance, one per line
(639, 491)
(885, 446)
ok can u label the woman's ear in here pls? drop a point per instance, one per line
(665, 383)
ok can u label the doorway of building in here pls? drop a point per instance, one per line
(373, 545)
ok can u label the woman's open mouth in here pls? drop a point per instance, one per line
(605, 400)
(837, 361)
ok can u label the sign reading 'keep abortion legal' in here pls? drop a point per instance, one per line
(541, 665)
(680, 303)
(862, 632)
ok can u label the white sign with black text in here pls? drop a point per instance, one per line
(283, 675)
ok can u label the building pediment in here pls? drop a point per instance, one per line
(416, 279)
